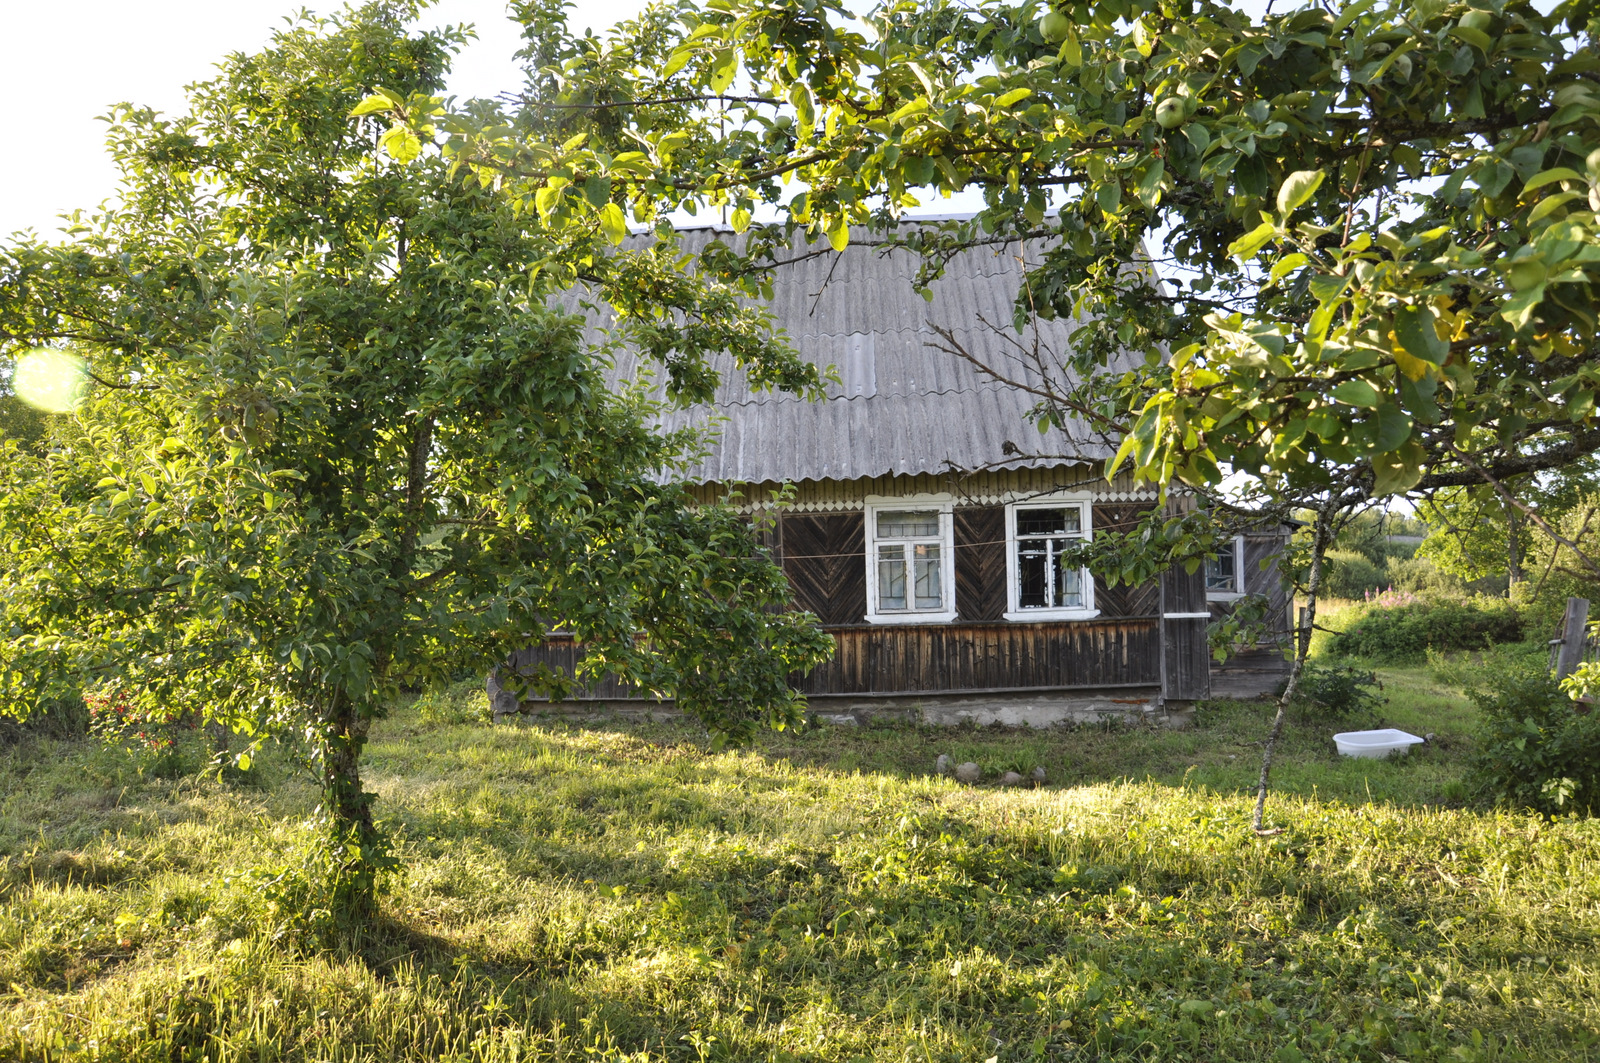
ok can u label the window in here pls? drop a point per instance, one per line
(1225, 572)
(910, 562)
(1044, 585)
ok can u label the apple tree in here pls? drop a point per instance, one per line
(337, 437)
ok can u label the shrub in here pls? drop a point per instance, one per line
(1404, 627)
(1338, 690)
(463, 702)
(1536, 749)
(1473, 670)
(1348, 574)
(1419, 575)
(1399, 551)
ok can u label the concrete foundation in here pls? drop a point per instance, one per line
(1008, 709)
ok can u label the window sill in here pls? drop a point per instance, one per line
(1025, 616)
(1223, 596)
(946, 617)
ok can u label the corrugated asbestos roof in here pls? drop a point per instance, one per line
(905, 405)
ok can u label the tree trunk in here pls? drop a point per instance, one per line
(1513, 550)
(358, 852)
(1321, 535)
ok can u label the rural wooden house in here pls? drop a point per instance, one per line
(932, 552)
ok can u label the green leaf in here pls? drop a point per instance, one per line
(1389, 60)
(1247, 245)
(1150, 184)
(1357, 392)
(1071, 51)
(740, 219)
(839, 232)
(1014, 96)
(546, 199)
(1550, 204)
(1394, 427)
(1350, 14)
(371, 105)
(1128, 443)
(401, 143)
(1297, 188)
(1477, 38)
(1414, 328)
(613, 223)
(1559, 173)
(677, 60)
(1287, 265)
(1397, 471)
(724, 64)
(1518, 309)
(1109, 196)
(1492, 177)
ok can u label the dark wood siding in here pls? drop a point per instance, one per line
(962, 657)
(824, 556)
(1268, 580)
(561, 653)
(1186, 656)
(946, 658)
(980, 562)
(1118, 516)
(1123, 602)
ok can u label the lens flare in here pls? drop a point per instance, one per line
(52, 381)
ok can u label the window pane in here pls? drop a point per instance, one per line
(1047, 521)
(1069, 586)
(1032, 591)
(907, 524)
(929, 585)
(1220, 572)
(891, 577)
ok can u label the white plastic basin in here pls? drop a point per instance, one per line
(1375, 743)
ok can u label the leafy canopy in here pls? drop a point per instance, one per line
(1374, 223)
(343, 436)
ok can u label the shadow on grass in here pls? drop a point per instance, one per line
(1220, 753)
(603, 891)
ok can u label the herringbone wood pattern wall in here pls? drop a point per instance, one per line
(980, 562)
(1123, 600)
(824, 556)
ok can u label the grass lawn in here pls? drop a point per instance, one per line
(612, 892)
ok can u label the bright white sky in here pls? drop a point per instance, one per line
(66, 61)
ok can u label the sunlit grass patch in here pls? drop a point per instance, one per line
(617, 892)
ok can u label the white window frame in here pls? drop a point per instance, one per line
(944, 505)
(1238, 576)
(1014, 611)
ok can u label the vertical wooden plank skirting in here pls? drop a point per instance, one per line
(1186, 656)
(952, 658)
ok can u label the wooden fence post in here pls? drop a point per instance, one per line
(1574, 637)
